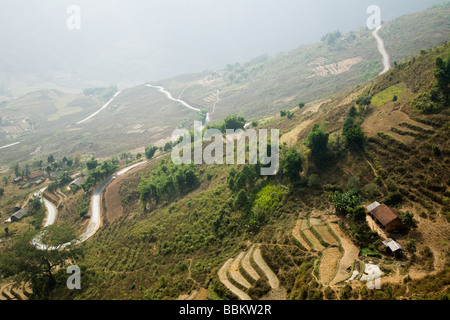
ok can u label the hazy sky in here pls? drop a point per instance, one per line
(148, 40)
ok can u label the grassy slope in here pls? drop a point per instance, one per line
(141, 256)
(141, 116)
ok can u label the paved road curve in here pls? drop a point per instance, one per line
(96, 217)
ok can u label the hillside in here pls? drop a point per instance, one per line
(288, 241)
(46, 121)
(225, 232)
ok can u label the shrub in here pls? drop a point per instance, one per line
(317, 141)
(364, 100)
(260, 289)
(393, 198)
(408, 220)
(292, 164)
(411, 246)
(266, 200)
(150, 152)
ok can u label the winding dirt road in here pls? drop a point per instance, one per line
(170, 97)
(382, 50)
(184, 103)
(98, 111)
(9, 145)
(96, 217)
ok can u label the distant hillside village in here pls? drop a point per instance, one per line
(37, 178)
(63, 175)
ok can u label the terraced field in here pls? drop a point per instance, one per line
(334, 250)
(240, 274)
(11, 291)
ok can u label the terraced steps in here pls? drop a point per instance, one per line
(223, 277)
(235, 273)
(10, 291)
(313, 239)
(336, 252)
(273, 280)
(246, 264)
(239, 274)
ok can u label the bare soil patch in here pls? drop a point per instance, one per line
(202, 294)
(351, 253)
(328, 264)
(113, 209)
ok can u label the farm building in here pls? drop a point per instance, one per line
(56, 175)
(76, 175)
(36, 174)
(18, 179)
(393, 247)
(19, 215)
(77, 182)
(39, 182)
(385, 216)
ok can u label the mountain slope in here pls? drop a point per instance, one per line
(145, 253)
(141, 116)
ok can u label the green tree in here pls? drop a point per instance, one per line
(168, 146)
(301, 104)
(241, 201)
(317, 142)
(411, 246)
(2, 191)
(353, 133)
(408, 220)
(17, 170)
(442, 74)
(292, 164)
(35, 204)
(364, 100)
(346, 200)
(83, 205)
(330, 38)
(234, 122)
(358, 214)
(50, 159)
(91, 164)
(30, 264)
(352, 112)
(150, 152)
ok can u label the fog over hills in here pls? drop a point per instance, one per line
(131, 42)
